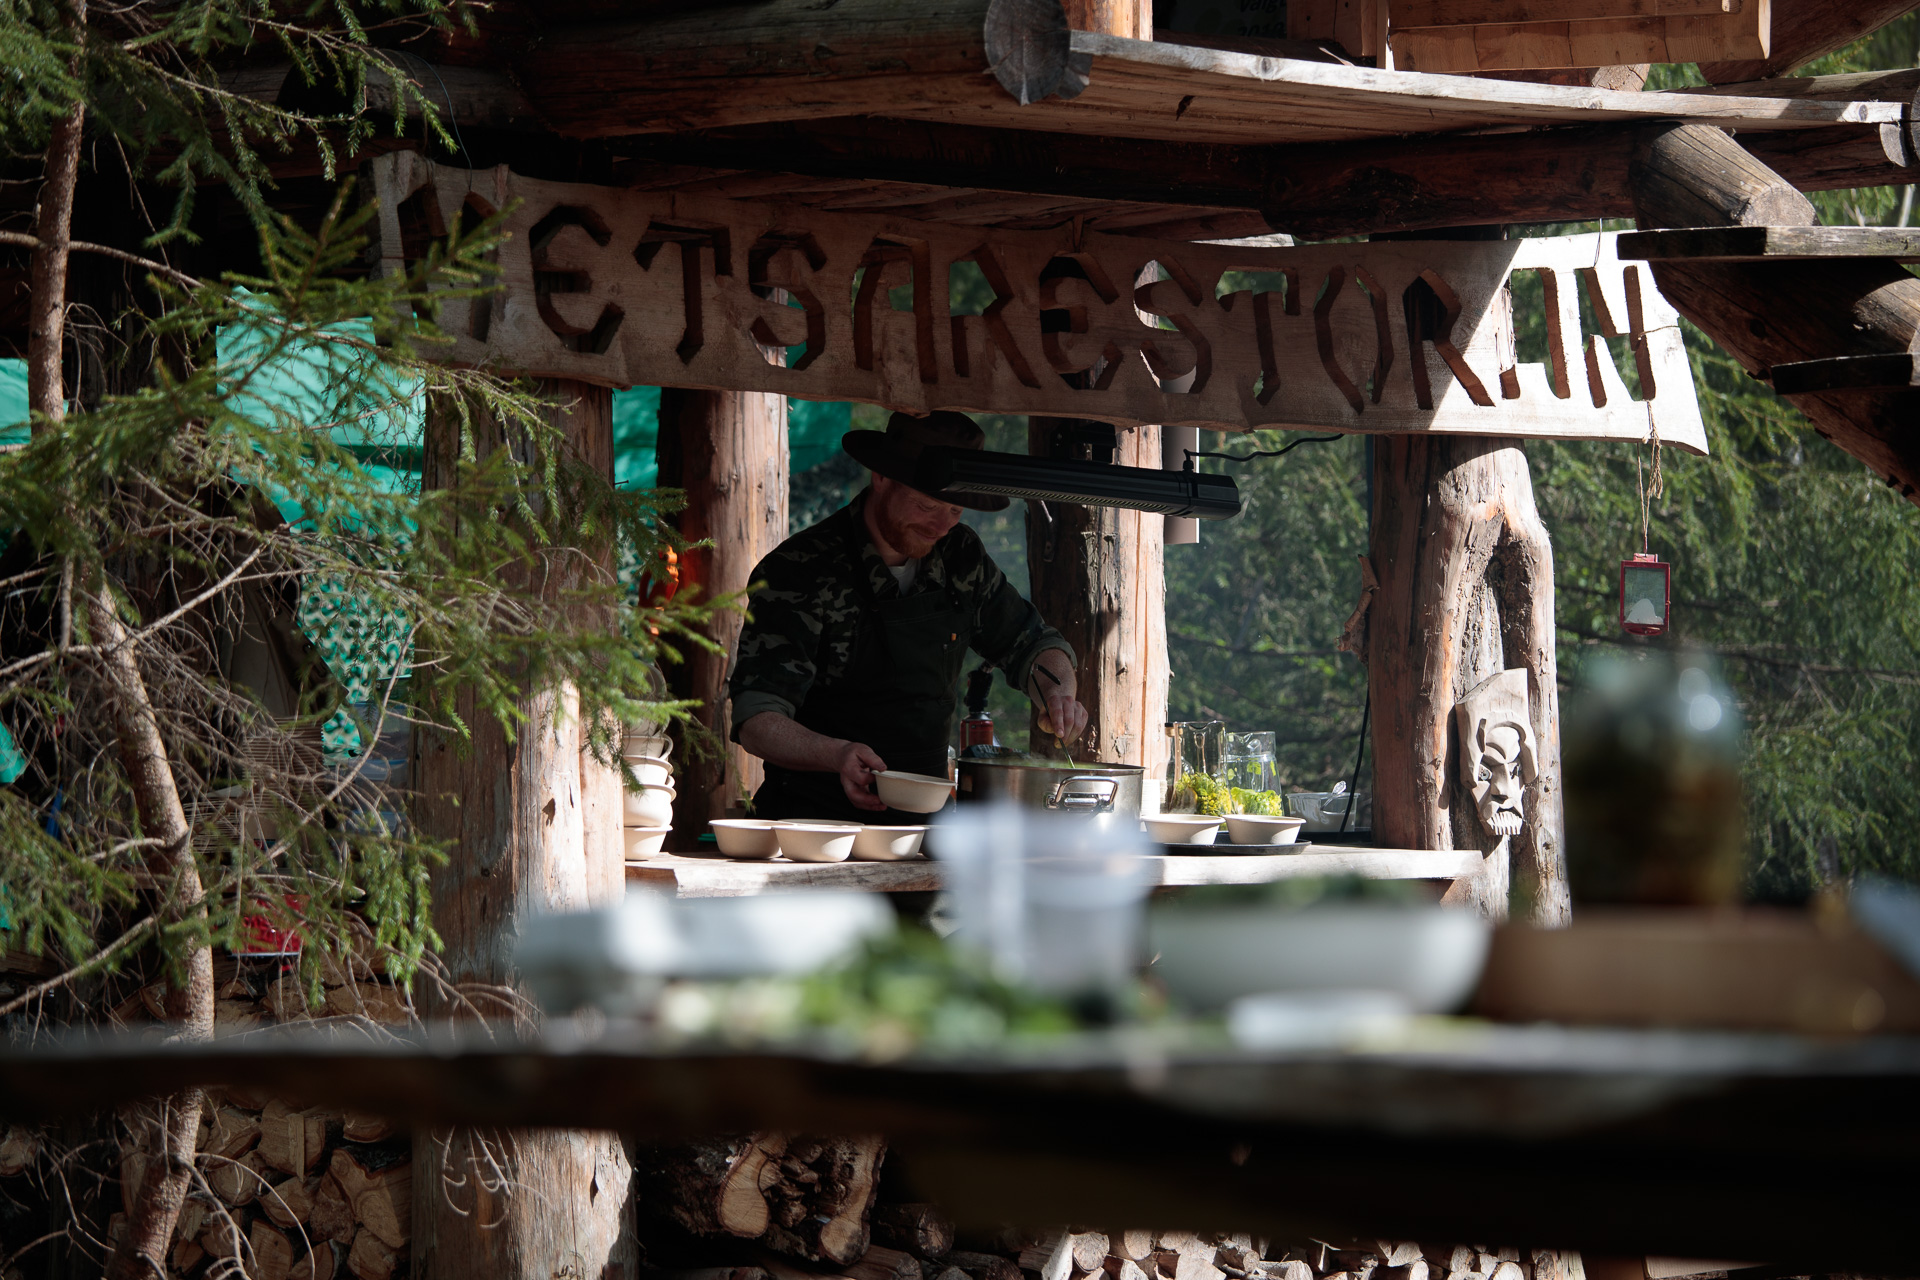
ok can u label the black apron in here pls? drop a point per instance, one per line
(898, 695)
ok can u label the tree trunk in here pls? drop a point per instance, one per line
(522, 817)
(47, 265)
(1772, 313)
(1097, 573)
(728, 451)
(1466, 590)
(165, 1136)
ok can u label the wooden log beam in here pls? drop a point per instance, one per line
(728, 451)
(1317, 190)
(1446, 512)
(528, 835)
(1789, 312)
(1772, 244)
(793, 59)
(1098, 573)
(1805, 30)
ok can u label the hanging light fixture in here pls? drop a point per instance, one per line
(1646, 591)
(1201, 495)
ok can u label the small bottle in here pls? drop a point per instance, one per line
(976, 731)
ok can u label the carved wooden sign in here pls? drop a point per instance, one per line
(630, 287)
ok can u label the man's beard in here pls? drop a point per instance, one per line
(903, 537)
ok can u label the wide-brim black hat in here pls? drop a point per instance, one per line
(895, 452)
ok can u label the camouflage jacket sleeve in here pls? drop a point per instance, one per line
(1007, 630)
(776, 661)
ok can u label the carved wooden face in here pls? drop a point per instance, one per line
(1499, 767)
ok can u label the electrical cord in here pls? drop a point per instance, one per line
(1366, 710)
(1353, 781)
(1258, 453)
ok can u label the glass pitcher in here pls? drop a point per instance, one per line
(1193, 747)
(1248, 761)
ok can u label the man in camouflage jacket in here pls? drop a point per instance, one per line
(850, 661)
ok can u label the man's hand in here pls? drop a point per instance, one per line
(1053, 687)
(858, 764)
(1064, 717)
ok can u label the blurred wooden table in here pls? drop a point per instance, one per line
(1795, 1151)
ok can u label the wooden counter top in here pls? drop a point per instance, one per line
(712, 876)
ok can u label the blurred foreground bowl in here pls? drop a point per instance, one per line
(1429, 956)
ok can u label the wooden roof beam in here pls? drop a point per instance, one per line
(1316, 190)
(1015, 63)
(797, 59)
(1807, 29)
(1786, 313)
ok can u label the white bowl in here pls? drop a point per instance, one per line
(1254, 828)
(1182, 828)
(653, 771)
(644, 842)
(648, 807)
(745, 837)
(1429, 956)
(912, 792)
(646, 744)
(888, 844)
(816, 842)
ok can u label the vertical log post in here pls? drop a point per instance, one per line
(728, 451)
(1099, 574)
(1768, 313)
(1466, 590)
(529, 833)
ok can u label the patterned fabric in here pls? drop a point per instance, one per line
(362, 648)
(803, 623)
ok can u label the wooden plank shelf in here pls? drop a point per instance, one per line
(1144, 89)
(713, 876)
(1770, 244)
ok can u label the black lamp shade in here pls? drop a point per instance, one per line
(1092, 484)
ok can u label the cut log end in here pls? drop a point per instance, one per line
(1027, 47)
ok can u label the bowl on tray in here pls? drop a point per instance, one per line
(1258, 828)
(1181, 828)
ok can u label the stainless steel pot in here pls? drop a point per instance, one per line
(1090, 789)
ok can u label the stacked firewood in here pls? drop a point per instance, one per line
(291, 1194)
(804, 1207)
(255, 992)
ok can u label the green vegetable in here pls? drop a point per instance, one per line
(1266, 804)
(1209, 797)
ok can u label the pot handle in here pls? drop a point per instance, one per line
(1098, 798)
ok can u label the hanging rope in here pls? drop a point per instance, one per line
(1648, 492)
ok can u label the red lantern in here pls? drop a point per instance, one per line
(1646, 592)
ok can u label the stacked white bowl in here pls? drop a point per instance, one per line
(647, 814)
